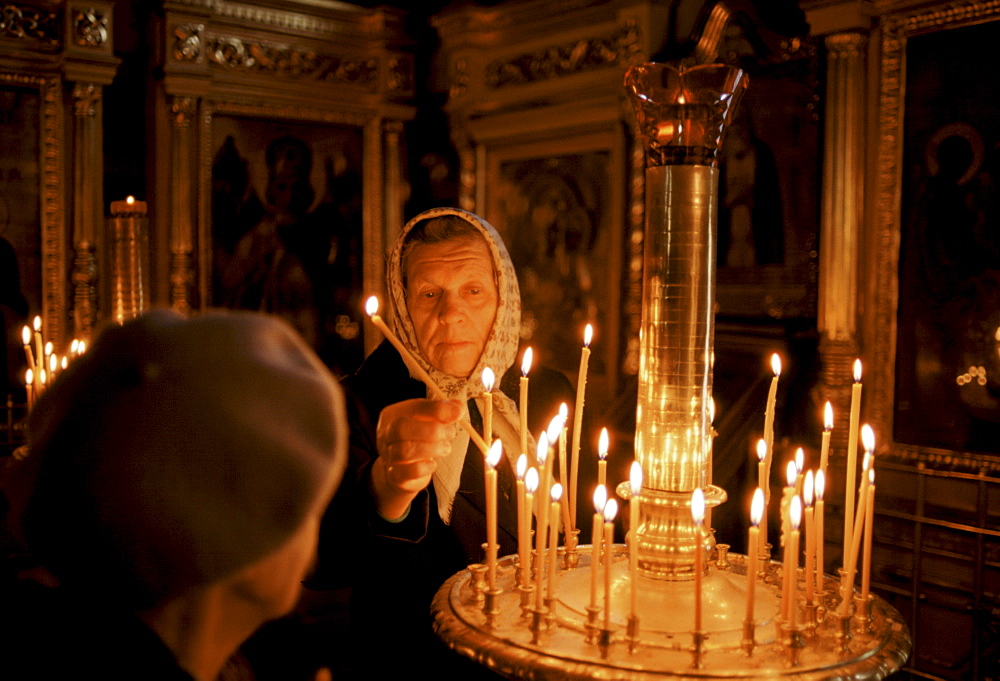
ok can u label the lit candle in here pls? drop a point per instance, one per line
(53, 365)
(542, 522)
(820, 508)
(610, 511)
(581, 390)
(36, 324)
(529, 485)
(800, 464)
(852, 455)
(635, 480)
(488, 379)
(756, 513)
(762, 484)
(698, 516)
(866, 573)
(371, 308)
(556, 495)
(600, 501)
(523, 407)
(769, 418)
(602, 458)
(792, 561)
(807, 499)
(786, 500)
(851, 564)
(824, 452)
(29, 355)
(492, 459)
(29, 385)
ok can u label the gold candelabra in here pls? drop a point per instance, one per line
(674, 604)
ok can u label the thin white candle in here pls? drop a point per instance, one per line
(492, 459)
(610, 511)
(698, 516)
(866, 573)
(28, 354)
(847, 583)
(807, 498)
(756, 513)
(852, 455)
(581, 393)
(541, 523)
(556, 496)
(824, 450)
(635, 480)
(596, 537)
(793, 541)
(371, 308)
(36, 324)
(762, 484)
(489, 378)
(820, 509)
(800, 464)
(522, 515)
(523, 407)
(602, 458)
(772, 394)
(29, 385)
(786, 500)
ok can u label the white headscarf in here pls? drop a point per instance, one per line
(499, 353)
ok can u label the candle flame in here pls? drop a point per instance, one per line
(871, 476)
(828, 417)
(761, 449)
(531, 480)
(42, 376)
(820, 485)
(602, 445)
(522, 466)
(868, 438)
(791, 472)
(542, 450)
(757, 507)
(53, 363)
(795, 512)
(776, 364)
(556, 492)
(371, 306)
(807, 489)
(635, 478)
(800, 460)
(26, 335)
(82, 348)
(36, 323)
(564, 412)
(29, 377)
(711, 410)
(526, 362)
(600, 498)
(866, 462)
(698, 506)
(610, 510)
(488, 379)
(857, 371)
(588, 335)
(130, 199)
(65, 361)
(48, 348)
(556, 425)
(73, 347)
(493, 457)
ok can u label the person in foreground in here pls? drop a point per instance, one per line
(176, 477)
(413, 501)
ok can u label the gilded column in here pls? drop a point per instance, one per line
(182, 276)
(88, 192)
(840, 222)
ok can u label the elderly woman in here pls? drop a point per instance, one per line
(415, 509)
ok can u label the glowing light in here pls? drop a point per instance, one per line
(820, 485)
(857, 371)
(588, 335)
(800, 460)
(526, 362)
(635, 478)
(556, 493)
(776, 364)
(761, 449)
(522, 466)
(488, 379)
(602, 445)
(807, 489)
(757, 507)
(868, 438)
(791, 472)
(610, 510)
(531, 480)
(371, 306)
(542, 451)
(795, 513)
(828, 417)
(697, 506)
(493, 457)
(600, 498)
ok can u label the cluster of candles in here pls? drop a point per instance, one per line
(802, 496)
(43, 363)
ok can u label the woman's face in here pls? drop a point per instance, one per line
(451, 294)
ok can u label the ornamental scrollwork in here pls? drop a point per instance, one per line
(21, 21)
(187, 41)
(617, 49)
(401, 74)
(85, 99)
(182, 109)
(90, 27)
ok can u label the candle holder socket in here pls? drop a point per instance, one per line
(843, 633)
(632, 633)
(863, 613)
(571, 555)
(748, 641)
(591, 627)
(550, 612)
(795, 643)
(764, 563)
(537, 625)
(699, 638)
(604, 641)
(491, 606)
(722, 555)
(478, 582)
(527, 592)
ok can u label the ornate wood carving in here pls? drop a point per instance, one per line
(28, 22)
(90, 26)
(87, 209)
(182, 276)
(614, 50)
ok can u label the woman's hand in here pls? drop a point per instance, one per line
(411, 437)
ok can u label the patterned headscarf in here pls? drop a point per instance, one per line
(499, 352)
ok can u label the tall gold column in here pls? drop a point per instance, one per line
(87, 213)
(840, 223)
(182, 276)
